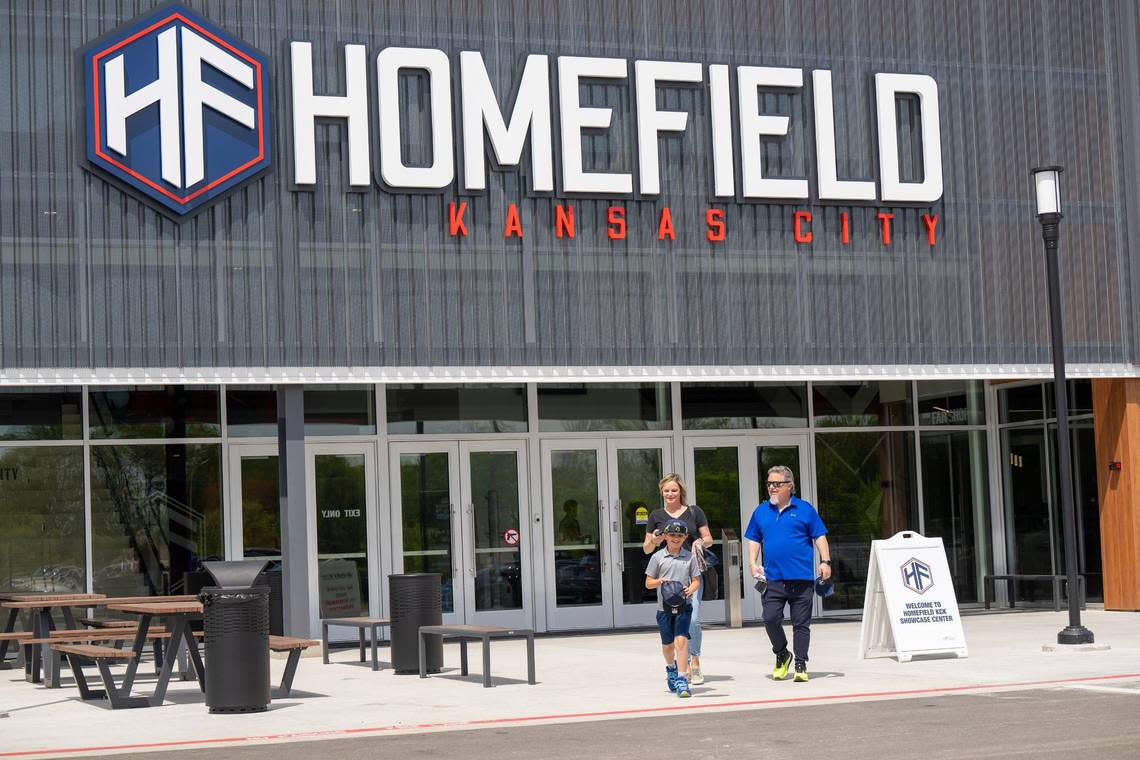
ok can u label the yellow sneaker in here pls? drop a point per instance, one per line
(783, 662)
(801, 675)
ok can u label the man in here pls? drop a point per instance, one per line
(787, 527)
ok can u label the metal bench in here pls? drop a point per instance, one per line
(360, 623)
(76, 655)
(989, 590)
(294, 647)
(484, 633)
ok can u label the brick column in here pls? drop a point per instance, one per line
(1116, 406)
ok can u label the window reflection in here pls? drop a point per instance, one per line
(158, 411)
(41, 519)
(862, 404)
(155, 515)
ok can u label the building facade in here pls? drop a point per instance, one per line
(374, 288)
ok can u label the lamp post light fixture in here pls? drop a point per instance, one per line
(1047, 186)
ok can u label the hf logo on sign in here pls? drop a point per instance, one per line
(917, 576)
(177, 109)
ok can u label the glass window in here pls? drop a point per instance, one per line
(251, 411)
(41, 519)
(456, 409)
(1080, 397)
(862, 404)
(865, 486)
(951, 402)
(425, 514)
(955, 497)
(155, 411)
(33, 415)
(155, 515)
(1022, 403)
(340, 410)
(587, 407)
(717, 406)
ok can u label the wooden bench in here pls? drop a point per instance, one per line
(15, 636)
(76, 654)
(484, 633)
(360, 623)
(989, 590)
(294, 646)
(51, 664)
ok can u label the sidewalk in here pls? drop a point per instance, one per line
(580, 677)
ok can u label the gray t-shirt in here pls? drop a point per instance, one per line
(662, 564)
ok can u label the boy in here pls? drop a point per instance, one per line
(673, 573)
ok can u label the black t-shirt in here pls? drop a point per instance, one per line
(694, 517)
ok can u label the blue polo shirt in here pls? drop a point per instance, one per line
(787, 539)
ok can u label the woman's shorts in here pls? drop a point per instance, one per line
(672, 626)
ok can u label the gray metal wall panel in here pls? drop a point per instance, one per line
(89, 276)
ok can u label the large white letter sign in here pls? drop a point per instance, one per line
(196, 94)
(720, 114)
(531, 113)
(392, 168)
(352, 106)
(887, 89)
(575, 117)
(753, 125)
(163, 91)
(650, 121)
(831, 188)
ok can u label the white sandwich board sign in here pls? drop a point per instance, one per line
(910, 607)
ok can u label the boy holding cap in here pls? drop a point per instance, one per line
(672, 571)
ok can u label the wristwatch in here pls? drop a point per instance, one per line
(825, 562)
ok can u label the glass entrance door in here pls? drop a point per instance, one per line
(343, 523)
(596, 495)
(728, 476)
(460, 510)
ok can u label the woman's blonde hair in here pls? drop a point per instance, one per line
(673, 477)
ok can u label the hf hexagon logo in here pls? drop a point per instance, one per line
(177, 109)
(917, 575)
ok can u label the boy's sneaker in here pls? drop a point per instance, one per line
(801, 675)
(696, 678)
(783, 662)
(682, 687)
(671, 677)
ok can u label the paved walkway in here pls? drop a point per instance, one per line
(580, 678)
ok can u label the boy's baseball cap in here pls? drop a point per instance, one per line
(676, 528)
(673, 597)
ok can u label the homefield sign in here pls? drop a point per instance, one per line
(910, 607)
(178, 111)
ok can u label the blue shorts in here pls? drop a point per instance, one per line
(674, 626)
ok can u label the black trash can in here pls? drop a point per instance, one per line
(271, 577)
(236, 621)
(415, 600)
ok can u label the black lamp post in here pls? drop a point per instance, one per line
(1047, 183)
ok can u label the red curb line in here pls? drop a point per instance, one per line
(562, 716)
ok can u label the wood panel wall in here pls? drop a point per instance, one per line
(1116, 406)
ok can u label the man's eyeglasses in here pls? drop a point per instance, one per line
(778, 483)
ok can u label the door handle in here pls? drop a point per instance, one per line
(471, 522)
(602, 535)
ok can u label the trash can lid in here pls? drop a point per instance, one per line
(239, 572)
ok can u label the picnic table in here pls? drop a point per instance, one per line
(39, 606)
(178, 616)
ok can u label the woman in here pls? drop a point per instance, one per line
(673, 495)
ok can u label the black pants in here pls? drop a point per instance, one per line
(798, 596)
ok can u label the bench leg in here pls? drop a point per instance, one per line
(487, 662)
(118, 699)
(85, 691)
(9, 626)
(375, 643)
(325, 643)
(1056, 594)
(290, 671)
(51, 669)
(423, 657)
(530, 659)
(463, 657)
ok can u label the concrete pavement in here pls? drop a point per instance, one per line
(580, 678)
